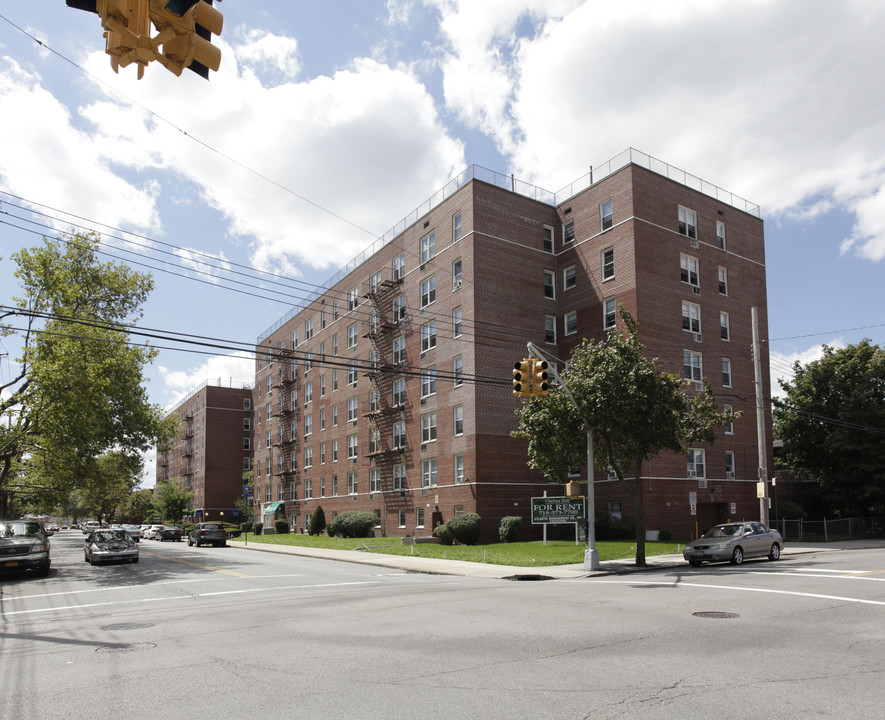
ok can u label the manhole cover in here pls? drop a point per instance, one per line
(128, 626)
(716, 615)
(125, 647)
(529, 577)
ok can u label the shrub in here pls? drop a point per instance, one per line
(257, 528)
(665, 535)
(317, 522)
(281, 527)
(353, 524)
(612, 528)
(788, 510)
(444, 535)
(465, 528)
(509, 529)
(246, 527)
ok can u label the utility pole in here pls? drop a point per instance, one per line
(760, 421)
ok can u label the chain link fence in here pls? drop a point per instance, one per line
(831, 530)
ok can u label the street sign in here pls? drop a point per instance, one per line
(558, 510)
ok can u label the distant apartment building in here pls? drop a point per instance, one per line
(211, 450)
(389, 391)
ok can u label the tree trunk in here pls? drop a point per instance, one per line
(639, 516)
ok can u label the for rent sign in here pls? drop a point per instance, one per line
(558, 510)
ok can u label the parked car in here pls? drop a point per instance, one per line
(50, 528)
(134, 531)
(207, 533)
(733, 542)
(168, 532)
(152, 531)
(90, 526)
(109, 546)
(24, 545)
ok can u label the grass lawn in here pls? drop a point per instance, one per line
(527, 554)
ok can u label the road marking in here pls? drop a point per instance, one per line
(850, 575)
(198, 565)
(677, 583)
(189, 597)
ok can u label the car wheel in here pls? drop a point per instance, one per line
(775, 552)
(197, 543)
(43, 570)
(738, 556)
(694, 563)
(190, 543)
(135, 560)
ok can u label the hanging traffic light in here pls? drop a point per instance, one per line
(522, 378)
(186, 28)
(539, 377)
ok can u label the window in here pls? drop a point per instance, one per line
(334, 380)
(334, 486)
(375, 280)
(568, 232)
(428, 292)
(458, 419)
(247, 443)
(614, 509)
(334, 310)
(569, 278)
(458, 462)
(688, 222)
(428, 247)
(294, 339)
(723, 281)
(456, 228)
(457, 321)
(729, 464)
(606, 215)
(308, 329)
(308, 489)
(308, 393)
(267, 440)
(374, 480)
(695, 463)
(322, 487)
(323, 320)
(726, 372)
(322, 386)
(550, 329)
(335, 344)
(419, 518)
(374, 400)
(548, 239)
(549, 285)
(691, 362)
(352, 334)
(399, 267)
(428, 336)
(399, 309)
(308, 425)
(374, 441)
(428, 382)
(402, 518)
(691, 317)
(399, 476)
(428, 473)
(724, 329)
(729, 425)
(399, 351)
(608, 264)
(308, 458)
(353, 299)
(247, 424)
(334, 459)
(689, 270)
(247, 464)
(458, 370)
(428, 428)
(399, 392)
(456, 275)
(609, 313)
(322, 453)
(352, 446)
(720, 234)
(247, 404)
(571, 322)
(399, 435)
(352, 373)
(352, 483)
(352, 409)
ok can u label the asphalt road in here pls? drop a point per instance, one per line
(227, 632)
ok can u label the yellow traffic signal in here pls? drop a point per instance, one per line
(522, 378)
(539, 377)
(186, 28)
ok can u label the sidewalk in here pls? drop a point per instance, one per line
(434, 566)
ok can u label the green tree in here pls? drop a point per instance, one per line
(171, 502)
(634, 410)
(832, 423)
(243, 504)
(140, 505)
(78, 391)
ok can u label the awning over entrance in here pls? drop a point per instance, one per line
(273, 508)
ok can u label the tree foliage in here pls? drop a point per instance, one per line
(634, 410)
(171, 502)
(832, 423)
(78, 391)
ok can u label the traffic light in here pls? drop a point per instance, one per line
(186, 28)
(539, 377)
(522, 378)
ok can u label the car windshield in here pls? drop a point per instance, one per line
(19, 529)
(724, 531)
(211, 526)
(106, 535)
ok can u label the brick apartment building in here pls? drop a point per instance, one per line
(389, 391)
(211, 451)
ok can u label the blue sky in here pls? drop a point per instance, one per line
(327, 123)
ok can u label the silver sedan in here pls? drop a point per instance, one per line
(110, 546)
(733, 542)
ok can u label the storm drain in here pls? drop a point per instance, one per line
(528, 577)
(126, 647)
(716, 615)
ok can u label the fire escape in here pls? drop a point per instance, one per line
(188, 452)
(388, 321)
(285, 438)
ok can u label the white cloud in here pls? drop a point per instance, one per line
(234, 370)
(265, 51)
(778, 101)
(781, 365)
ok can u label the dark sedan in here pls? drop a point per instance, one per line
(24, 545)
(168, 532)
(207, 533)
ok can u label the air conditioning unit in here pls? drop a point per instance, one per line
(696, 290)
(702, 484)
(692, 474)
(423, 267)
(699, 386)
(698, 337)
(694, 242)
(456, 285)
(729, 475)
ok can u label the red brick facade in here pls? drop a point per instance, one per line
(465, 308)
